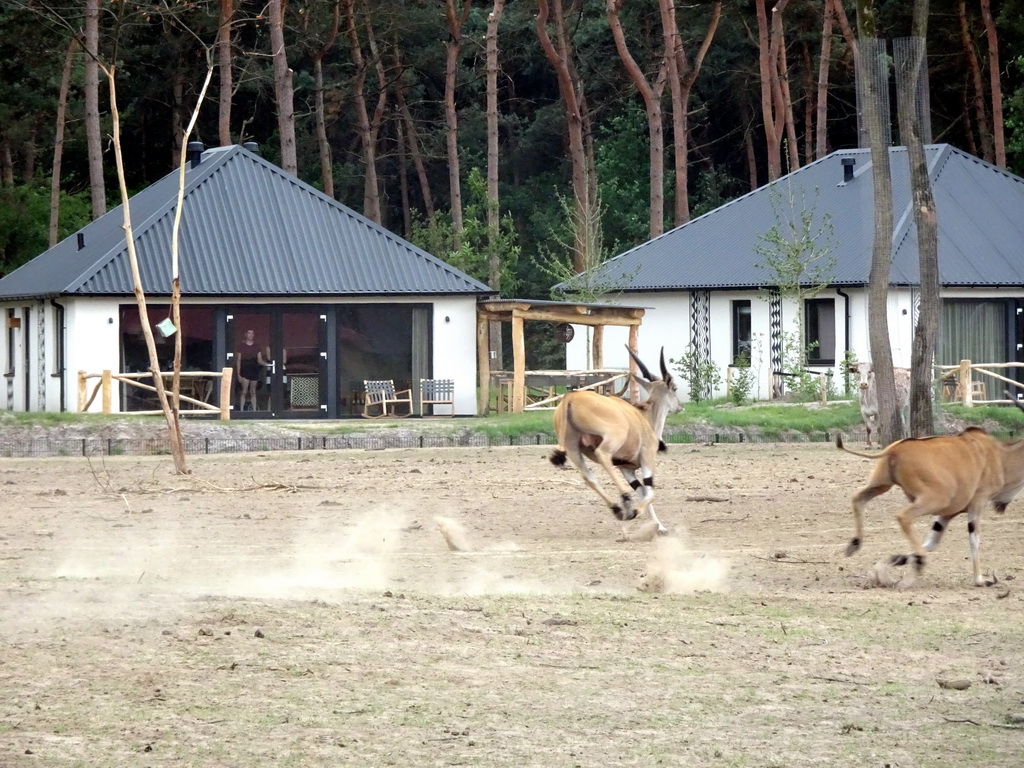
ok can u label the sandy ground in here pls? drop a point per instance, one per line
(475, 607)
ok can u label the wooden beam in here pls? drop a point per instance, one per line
(597, 350)
(503, 307)
(618, 317)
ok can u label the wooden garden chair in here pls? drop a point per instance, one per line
(382, 394)
(434, 392)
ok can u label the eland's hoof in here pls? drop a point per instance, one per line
(990, 582)
(623, 514)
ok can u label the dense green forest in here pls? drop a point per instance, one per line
(516, 140)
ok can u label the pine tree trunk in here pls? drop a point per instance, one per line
(922, 421)
(224, 64)
(751, 155)
(873, 55)
(824, 62)
(785, 100)
(413, 144)
(323, 146)
(58, 141)
(451, 116)
(558, 54)
(6, 162)
(769, 57)
(651, 94)
(493, 210)
(403, 179)
(177, 97)
(978, 87)
(93, 134)
(994, 84)
(495, 331)
(676, 62)
(377, 118)
(371, 195)
(283, 90)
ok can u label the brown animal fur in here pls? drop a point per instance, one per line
(943, 477)
(612, 433)
(615, 433)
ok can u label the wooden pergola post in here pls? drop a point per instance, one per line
(597, 347)
(634, 338)
(518, 364)
(483, 364)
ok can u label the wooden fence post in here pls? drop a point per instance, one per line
(105, 396)
(966, 395)
(82, 396)
(225, 393)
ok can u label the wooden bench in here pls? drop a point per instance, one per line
(382, 394)
(436, 392)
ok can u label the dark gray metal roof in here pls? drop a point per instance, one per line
(247, 229)
(980, 213)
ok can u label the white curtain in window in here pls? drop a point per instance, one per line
(972, 330)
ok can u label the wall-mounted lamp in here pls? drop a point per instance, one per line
(447, 319)
(110, 320)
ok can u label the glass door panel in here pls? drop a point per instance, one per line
(301, 363)
(251, 359)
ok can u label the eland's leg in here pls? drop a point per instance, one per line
(627, 511)
(860, 500)
(919, 507)
(939, 524)
(648, 495)
(622, 507)
(973, 520)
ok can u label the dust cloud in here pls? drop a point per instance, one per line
(675, 569)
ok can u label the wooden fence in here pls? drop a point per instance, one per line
(966, 383)
(959, 384)
(196, 388)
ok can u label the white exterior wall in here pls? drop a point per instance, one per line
(667, 322)
(93, 345)
(902, 317)
(455, 350)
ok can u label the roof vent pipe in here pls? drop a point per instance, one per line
(252, 146)
(81, 240)
(194, 153)
(848, 163)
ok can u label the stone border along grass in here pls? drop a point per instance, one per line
(117, 446)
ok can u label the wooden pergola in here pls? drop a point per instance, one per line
(518, 311)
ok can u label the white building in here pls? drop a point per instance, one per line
(709, 291)
(336, 298)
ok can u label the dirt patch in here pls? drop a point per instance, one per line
(473, 606)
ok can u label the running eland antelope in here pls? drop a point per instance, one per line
(942, 477)
(623, 438)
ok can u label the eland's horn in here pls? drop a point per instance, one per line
(665, 375)
(643, 368)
